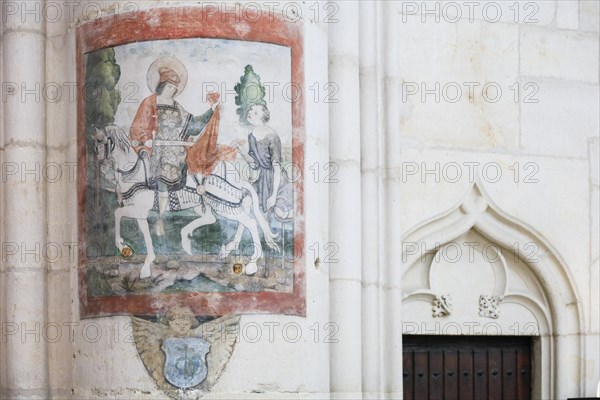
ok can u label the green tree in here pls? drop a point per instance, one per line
(101, 99)
(250, 91)
(101, 96)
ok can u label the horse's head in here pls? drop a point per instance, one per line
(113, 150)
(103, 144)
(109, 141)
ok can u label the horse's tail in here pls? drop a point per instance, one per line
(262, 222)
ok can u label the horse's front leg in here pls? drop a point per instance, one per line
(139, 212)
(234, 243)
(246, 221)
(205, 218)
(146, 272)
(119, 212)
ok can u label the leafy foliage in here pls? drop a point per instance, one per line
(250, 92)
(127, 283)
(101, 95)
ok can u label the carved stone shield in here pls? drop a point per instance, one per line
(185, 364)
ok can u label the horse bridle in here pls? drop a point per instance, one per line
(109, 146)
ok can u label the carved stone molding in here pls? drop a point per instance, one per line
(555, 312)
(442, 305)
(488, 306)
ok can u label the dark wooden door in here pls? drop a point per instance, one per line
(466, 367)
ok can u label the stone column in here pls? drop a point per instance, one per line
(61, 195)
(371, 126)
(2, 278)
(24, 213)
(345, 203)
(392, 242)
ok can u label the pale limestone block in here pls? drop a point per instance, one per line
(345, 216)
(106, 356)
(61, 185)
(594, 294)
(344, 42)
(24, 291)
(25, 194)
(370, 127)
(57, 16)
(3, 320)
(591, 376)
(57, 126)
(559, 54)
(594, 154)
(454, 51)
(24, 109)
(299, 347)
(559, 195)
(26, 50)
(349, 336)
(319, 174)
(570, 384)
(60, 90)
(371, 333)
(589, 15)
(594, 238)
(417, 183)
(371, 226)
(60, 349)
(470, 68)
(561, 121)
(317, 107)
(448, 11)
(344, 115)
(567, 14)
(24, 16)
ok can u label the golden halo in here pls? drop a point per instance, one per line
(169, 62)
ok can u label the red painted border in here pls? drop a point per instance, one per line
(195, 22)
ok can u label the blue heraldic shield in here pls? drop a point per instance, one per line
(185, 364)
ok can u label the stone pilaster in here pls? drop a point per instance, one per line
(345, 204)
(24, 214)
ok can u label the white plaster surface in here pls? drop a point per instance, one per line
(567, 14)
(559, 54)
(562, 120)
(462, 74)
(589, 15)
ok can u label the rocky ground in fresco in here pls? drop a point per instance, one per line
(116, 276)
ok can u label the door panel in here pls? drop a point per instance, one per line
(436, 367)
(421, 374)
(467, 367)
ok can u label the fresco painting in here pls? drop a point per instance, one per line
(192, 193)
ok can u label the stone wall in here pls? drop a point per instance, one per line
(532, 147)
(426, 104)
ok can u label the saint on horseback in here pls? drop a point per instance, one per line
(163, 129)
(175, 157)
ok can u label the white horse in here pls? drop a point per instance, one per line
(205, 195)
